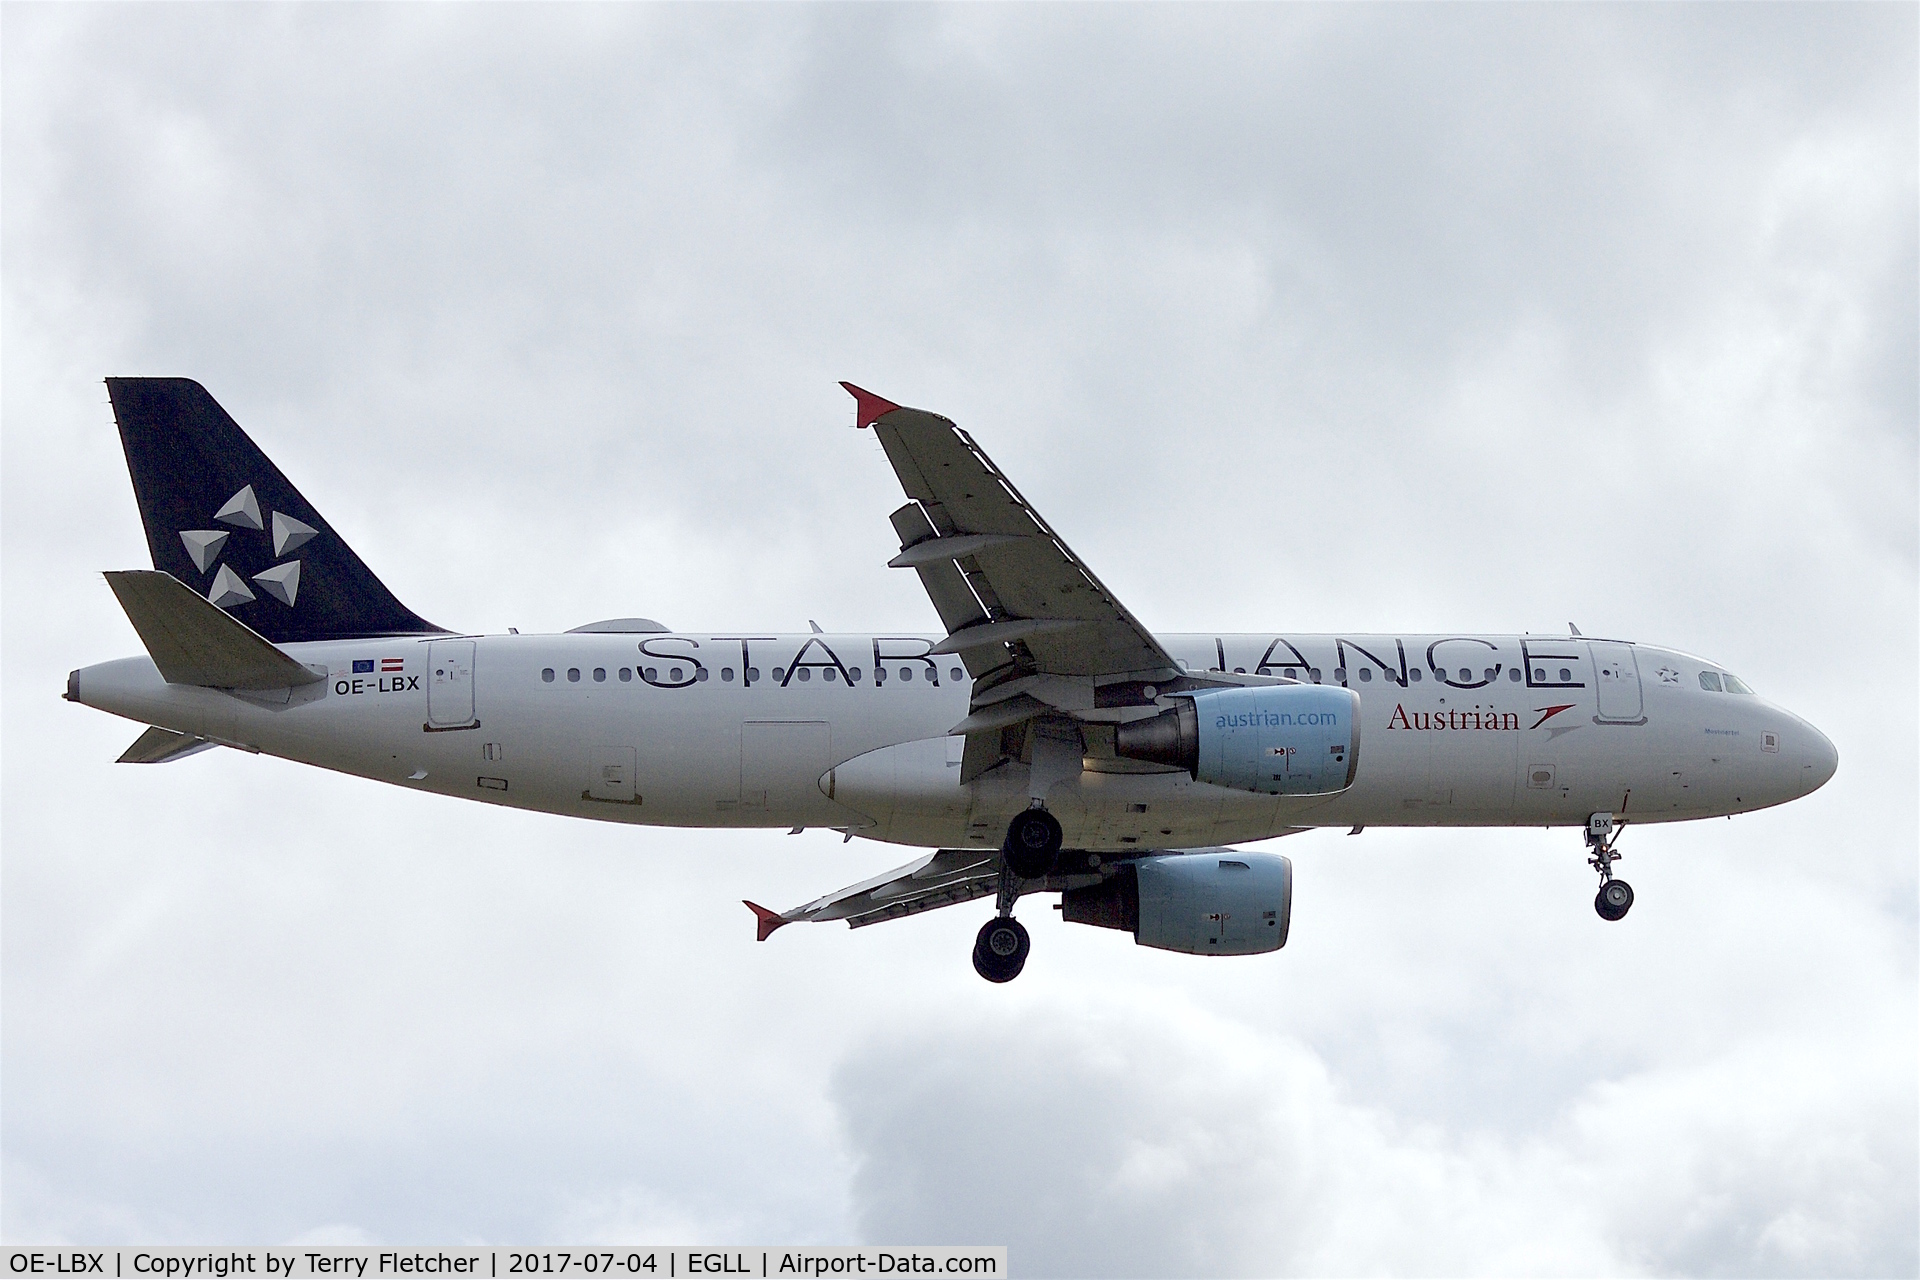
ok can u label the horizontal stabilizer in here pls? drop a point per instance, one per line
(194, 641)
(162, 746)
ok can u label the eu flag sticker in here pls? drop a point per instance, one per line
(363, 666)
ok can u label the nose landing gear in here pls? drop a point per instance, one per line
(1616, 896)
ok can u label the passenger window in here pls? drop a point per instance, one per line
(1566, 676)
(780, 673)
(573, 674)
(1366, 675)
(853, 675)
(1734, 684)
(600, 675)
(674, 675)
(1239, 671)
(1340, 674)
(699, 673)
(753, 673)
(806, 674)
(1710, 681)
(827, 675)
(1513, 674)
(1540, 675)
(726, 674)
(1491, 673)
(1414, 675)
(626, 675)
(546, 673)
(955, 675)
(1315, 673)
(1466, 676)
(906, 673)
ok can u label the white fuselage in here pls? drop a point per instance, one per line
(782, 731)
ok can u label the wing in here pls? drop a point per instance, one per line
(940, 879)
(1050, 649)
(1010, 591)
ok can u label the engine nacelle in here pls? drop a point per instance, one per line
(1282, 740)
(1203, 904)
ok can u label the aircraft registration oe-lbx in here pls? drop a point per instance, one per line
(1045, 742)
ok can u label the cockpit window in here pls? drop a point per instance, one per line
(1710, 680)
(1734, 685)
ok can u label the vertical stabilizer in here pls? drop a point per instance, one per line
(221, 518)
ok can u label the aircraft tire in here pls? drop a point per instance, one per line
(1613, 900)
(1000, 950)
(1032, 844)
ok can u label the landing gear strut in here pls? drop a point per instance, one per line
(1615, 896)
(1031, 848)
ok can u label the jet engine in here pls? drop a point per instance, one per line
(1282, 740)
(1224, 903)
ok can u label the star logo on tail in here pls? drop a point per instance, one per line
(242, 511)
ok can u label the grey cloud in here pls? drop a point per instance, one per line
(1206, 1147)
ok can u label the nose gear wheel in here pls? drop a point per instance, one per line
(1616, 896)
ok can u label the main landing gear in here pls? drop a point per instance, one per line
(1029, 852)
(1032, 844)
(1615, 896)
(1000, 952)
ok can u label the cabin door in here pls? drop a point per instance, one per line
(450, 683)
(1616, 676)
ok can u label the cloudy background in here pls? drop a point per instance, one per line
(1302, 318)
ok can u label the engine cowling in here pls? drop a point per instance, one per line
(1204, 904)
(1283, 740)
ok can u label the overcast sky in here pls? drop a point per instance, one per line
(1294, 318)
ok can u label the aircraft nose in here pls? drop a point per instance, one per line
(1820, 761)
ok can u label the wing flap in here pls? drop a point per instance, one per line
(982, 753)
(945, 585)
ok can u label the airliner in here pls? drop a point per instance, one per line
(1044, 741)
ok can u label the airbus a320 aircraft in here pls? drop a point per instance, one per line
(1044, 742)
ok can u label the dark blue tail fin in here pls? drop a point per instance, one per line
(221, 518)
